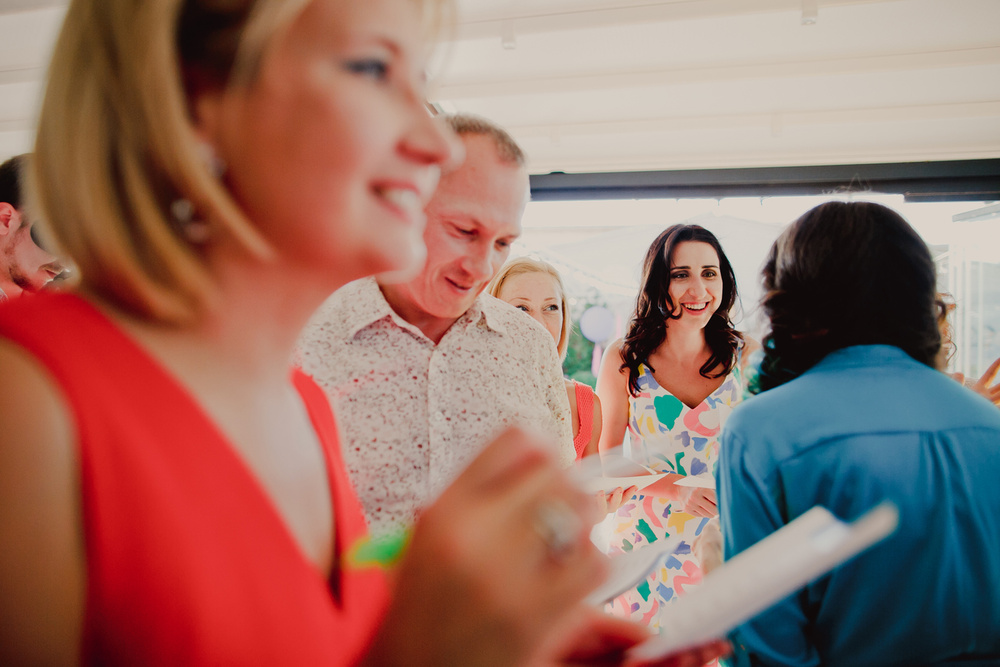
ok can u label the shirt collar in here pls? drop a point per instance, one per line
(864, 355)
(368, 305)
(492, 311)
(365, 306)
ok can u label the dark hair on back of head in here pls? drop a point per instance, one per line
(846, 274)
(653, 308)
(12, 172)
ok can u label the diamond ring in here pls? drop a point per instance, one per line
(558, 526)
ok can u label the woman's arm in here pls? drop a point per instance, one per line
(696, 501)
(42, 567)
(595, 434)
(481, 560)
(612, 390)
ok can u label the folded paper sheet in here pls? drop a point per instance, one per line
(608, 484)
(610, 471)
(766, 573)
(697, 481)
(626, 570)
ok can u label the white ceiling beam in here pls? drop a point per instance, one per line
(475, 24)
(927, 112)
(21, 75)
(452, 89)
(542, 163)
(17, 125)
(16, 6)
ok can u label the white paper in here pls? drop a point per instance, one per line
(628, 569)
(610, 471)
(764, 574)
(608, 484)
(698, 481)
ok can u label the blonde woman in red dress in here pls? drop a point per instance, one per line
(171, 489)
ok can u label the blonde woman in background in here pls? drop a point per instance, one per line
(171, 490)
(535, 287)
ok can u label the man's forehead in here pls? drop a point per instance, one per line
(485, 188)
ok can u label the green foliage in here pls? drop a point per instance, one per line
(580, 353)
(579, 357)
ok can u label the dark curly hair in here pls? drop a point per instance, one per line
(647, 328)
(846, 274)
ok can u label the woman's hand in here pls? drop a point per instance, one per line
(594, 638)
(610, 502)
(495, 566)
(982, 386)
(700, 502)
(707, 547)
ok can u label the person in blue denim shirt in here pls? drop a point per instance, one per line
(850, 412)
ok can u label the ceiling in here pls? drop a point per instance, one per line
(611, 85)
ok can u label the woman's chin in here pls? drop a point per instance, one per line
(405, 269)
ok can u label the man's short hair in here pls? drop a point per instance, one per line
(507, 148)
(11, 173)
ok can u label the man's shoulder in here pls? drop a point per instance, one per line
(509, 321)
(513, 334)
(347, 310)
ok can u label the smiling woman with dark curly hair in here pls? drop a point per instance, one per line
(671, 382)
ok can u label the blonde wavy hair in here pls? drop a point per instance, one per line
(116, 146)
(522, 265)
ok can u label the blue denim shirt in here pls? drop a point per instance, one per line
(864, 425)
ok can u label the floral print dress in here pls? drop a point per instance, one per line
(667, 436)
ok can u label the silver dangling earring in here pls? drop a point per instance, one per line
(182, 210)
(211, 158)
(194, 230)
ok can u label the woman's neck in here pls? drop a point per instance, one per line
(684, 343)
(248, 334)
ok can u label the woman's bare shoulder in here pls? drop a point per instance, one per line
(41, 545)
(32, 400)
(615, 346)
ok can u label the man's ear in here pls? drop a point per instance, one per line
(8, 219)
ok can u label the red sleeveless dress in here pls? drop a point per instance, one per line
(585, 411)
(188, 561)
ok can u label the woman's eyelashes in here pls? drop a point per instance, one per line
(376, 69)
(681, 275)
(552, 308)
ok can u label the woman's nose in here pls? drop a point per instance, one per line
(432, 141)
(697, 287)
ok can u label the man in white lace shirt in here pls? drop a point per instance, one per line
(423, 374)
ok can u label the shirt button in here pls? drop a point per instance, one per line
(438, 417)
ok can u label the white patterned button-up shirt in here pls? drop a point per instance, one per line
(413, 414)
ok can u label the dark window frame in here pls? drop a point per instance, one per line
(953, 180)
